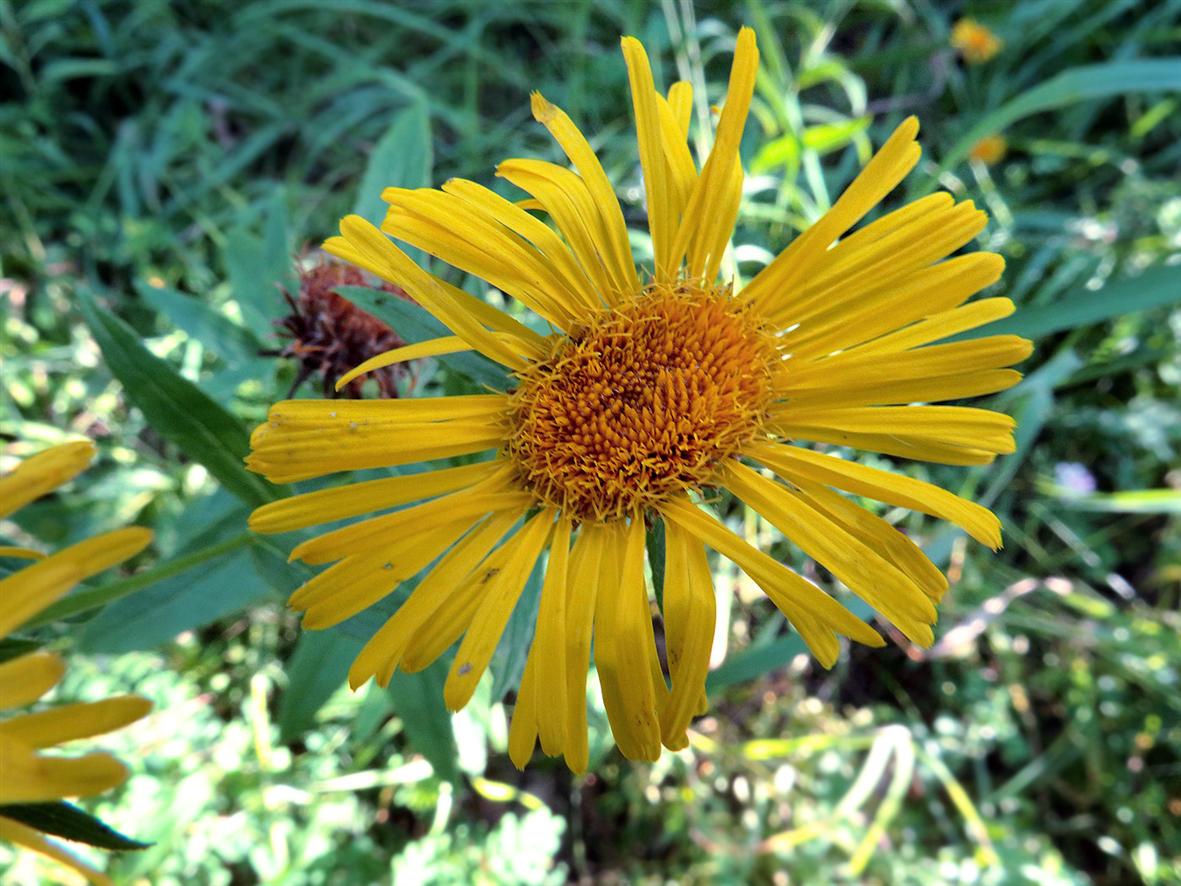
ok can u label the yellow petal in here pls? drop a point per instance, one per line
(624, 647)
(680, 101)
(68, 722)
(540, 235)
(327, 441)
(877, 581)
(662, 219)
(471, 503)
(874, 312)
(40, 473)
(32, 589)
(933, 389)
(364, 245)
(794, 463)
(389, 562)
(773, 287)
(568, 200)
(501, 593)
(612, 229)
(708, 221)
(939, 326)
(550, 641)
(871, 271)
(382, 654)
(814, 613)
(886, 541)
(26, 678)
(581, 600)
(940, 425)
(327, 505)
(435, 347)
(852, 367)
(443, 225)
(522, 733)
(32, 778)
(689, 629)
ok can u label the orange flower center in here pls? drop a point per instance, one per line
(642, 403)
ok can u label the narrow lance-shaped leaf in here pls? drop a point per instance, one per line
(180, 411)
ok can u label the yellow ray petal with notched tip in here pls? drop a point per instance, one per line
(30, 777)
(543, 684)
(582, 591)
(794, 463)
(817, 616)
(877, 581)
(500, 594)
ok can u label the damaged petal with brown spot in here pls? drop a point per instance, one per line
(643, 403)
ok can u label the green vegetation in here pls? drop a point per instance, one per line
(162, 164)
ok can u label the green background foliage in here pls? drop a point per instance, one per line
(163, 164)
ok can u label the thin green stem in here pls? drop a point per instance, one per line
(92, 598)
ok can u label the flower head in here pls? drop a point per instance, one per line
(654, 391)
(975, 42)
(990, 150)
(30, 776)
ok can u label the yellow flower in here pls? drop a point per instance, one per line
(655, 393)
(29, 776)
(990, 150)
(976, 43)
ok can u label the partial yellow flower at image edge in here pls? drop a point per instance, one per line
(27, 775)
(660, 388)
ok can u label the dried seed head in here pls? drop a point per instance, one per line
(329, 335)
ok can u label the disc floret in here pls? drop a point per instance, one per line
(643, 402)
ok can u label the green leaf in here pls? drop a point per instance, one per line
(414, 324)
(15, 647)
(1085, 83)
(654, 541)
(84, 598)
(180, 411)
(418, 702)
(318, 667)
(71, 823)
(827, 137)
(1132, 501)
(402, 158)
(254, 283)
(192, 599)
(200, 320)
(756, 661)
(1156, 287)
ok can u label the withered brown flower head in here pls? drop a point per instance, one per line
(329, 335)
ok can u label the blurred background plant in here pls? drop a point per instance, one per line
(166, 168)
